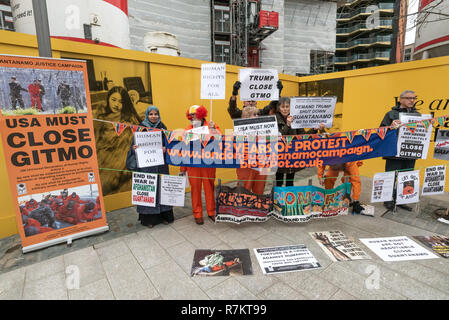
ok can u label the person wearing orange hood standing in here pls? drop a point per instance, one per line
(201, 176)
(351, 170)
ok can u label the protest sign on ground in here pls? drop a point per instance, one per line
(221, 263)
(438, 244)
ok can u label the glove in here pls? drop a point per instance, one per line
(356, 207)
(279, 86)
(235, 90)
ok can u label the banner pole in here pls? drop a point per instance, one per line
(210, 110)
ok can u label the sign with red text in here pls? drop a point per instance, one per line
(144, 189)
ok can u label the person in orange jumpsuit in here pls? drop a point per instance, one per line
(87, 212)
(251, 179)
(201, 176)
(351, 170)
(35, 93)
(31, 205)
(68, 213)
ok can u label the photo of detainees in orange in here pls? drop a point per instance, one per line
(409, 187)
(28, 91)
(59, 209)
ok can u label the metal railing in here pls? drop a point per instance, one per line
(359, 26)
(347, 15)
(344, 45)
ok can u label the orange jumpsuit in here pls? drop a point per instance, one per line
(247, 174)
(350, 169)
(195, 185)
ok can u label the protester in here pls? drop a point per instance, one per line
(151, 216)
(285, 121)
(201, 176)
(351, 171)
(111, 147)
(251, 179)
(236, 113)
(406, 103)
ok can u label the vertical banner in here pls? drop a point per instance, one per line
(144, 189)
(213, 81)
(258, 84)
(309, 112)
(50, 151)
(407, 187)
(441, 150)
(413, 139)
(383, 186)
(434, 180)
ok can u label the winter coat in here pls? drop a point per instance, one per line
(236, 113)
(131, 164)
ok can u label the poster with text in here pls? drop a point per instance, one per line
(407, 189)
(434, 180)
(258, 84)
(338, 247)
(289, 258)
(310, 112)
(221, 263)
(144, 187)
(383, 186)
(413, 145)
(397, 249)
(441, 150)
(438, 244)
(213, 80)
(258, 126)
(49, 147)
(173, 190)
(149, 151)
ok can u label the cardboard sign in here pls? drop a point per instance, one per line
(286, 259)
(407, 190)
(383, 186)
(144, 189)
(173, 190)
(213, 81)
(442, 145)
(413, 145)
(310, 112)
(258, 126)
(258, 84)
(397, 249)
(434, 180)
(149, 152)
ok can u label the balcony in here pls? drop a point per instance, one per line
(383, 23)
(345, 16)
(364, 42)
(363, 57)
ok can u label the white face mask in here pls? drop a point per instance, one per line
(196, 123)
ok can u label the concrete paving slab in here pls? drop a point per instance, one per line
(44, 269)
(112, 250)
(230, 289)
(316, 288)
(11, 284)
(52, 287)
(146, 250)
(88, 266)
(166, 236)
(98, 290)
(342, 295)
(280, 291)
(199, 237)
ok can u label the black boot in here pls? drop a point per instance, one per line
(356, 207)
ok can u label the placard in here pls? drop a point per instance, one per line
(397, 249)
(49, 147)
(258, 126)
(407, 190)
(383, 186)
(338, 247)
(221, 263)
(413, 145)
(290, 258)
(434, 180)
(310, 112)
(144, 189)
(213, 81)
(149, 152)
(441, 150)
(173, 190)
(258, 84)
(438, 244)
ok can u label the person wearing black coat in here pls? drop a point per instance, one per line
(151, 216)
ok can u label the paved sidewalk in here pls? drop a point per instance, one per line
(143, 263)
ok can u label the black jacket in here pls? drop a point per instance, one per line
(236, 113)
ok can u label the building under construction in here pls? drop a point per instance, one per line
(281, 34)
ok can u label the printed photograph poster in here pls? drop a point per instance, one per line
(208, 262)
(149, 151)
(213, 81)
(413, 145)
(407, 189)
(173, 190)
(438, 244)
(441, 150)
(289, 258)
(49, 146)
(258, 84)
(434, 180)
(383, 186)
(258, 126)
(144, 187)
(338, 247)
(310, 112)
(397, 249)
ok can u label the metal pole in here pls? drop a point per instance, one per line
(42, 28)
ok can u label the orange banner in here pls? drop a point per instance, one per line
(49, 146)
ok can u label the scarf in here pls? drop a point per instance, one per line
(148, 123)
